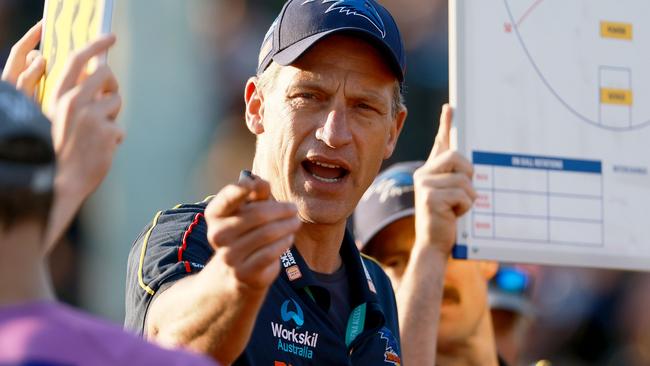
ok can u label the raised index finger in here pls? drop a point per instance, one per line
(442, 142)
(75, 66)
(18, 55)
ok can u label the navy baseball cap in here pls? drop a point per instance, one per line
(389, 198)
(302, 23)
(27, 157)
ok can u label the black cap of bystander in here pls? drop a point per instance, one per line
(27, 159)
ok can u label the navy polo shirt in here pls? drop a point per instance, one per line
(292, 327)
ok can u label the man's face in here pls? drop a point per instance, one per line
(465, 287)
(324, 125)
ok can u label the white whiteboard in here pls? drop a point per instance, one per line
(552, 106)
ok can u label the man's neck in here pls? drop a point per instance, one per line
(477, 349)
(24, 275)
(319, 245)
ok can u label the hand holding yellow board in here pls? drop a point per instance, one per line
(69, 25)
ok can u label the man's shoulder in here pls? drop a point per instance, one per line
(172, 245)
(378, 276)
(171, 225)
(175, 218)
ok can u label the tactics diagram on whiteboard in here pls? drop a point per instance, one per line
(608, 61)
(552, 104)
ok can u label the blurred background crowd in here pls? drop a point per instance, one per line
(182, 66)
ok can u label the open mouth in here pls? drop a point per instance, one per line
(327, 172)
(450, 295)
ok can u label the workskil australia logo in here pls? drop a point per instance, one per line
(292, 339)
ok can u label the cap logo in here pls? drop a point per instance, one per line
(394, 185)
(361, 8)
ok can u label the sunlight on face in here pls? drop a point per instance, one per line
(465, 287)
(327, 126)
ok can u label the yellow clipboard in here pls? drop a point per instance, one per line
(69, 25)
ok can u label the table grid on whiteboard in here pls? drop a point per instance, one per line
(538, 199)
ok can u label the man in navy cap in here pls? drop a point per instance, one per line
(264, 272)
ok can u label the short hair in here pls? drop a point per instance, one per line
(269, 75)
(22, 203)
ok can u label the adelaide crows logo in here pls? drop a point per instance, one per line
(361, 8)
(297, 316)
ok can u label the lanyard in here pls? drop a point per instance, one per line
(355, 324)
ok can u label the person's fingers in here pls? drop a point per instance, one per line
(260, 189)
(77, 63)
(109, 106)
(227, 201)
(31, 56)
(115, 133)
(31, 76)
(460, 201)
(442, 142)
(265, 261)
(256, 239)
(251, 216)
(447, 162)
(100, 81)
(455, 199)
(16, 61)
(451, 180)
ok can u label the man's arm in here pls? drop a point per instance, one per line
(443, 192)
(83, 113)
(84, 133)
(249, 232)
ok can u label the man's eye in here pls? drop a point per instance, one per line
(367, 107)
(305, 96)
(395, 262)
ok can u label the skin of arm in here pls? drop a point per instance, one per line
(443, 192)
(220, 328)
(249, 231)
(83, 114)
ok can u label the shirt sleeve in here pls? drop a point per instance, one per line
(172, 246)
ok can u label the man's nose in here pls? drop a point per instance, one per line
(335, 132)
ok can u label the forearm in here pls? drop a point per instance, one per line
(418, 302)
(206, 313)
(67, 201)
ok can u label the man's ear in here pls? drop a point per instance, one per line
(488, 269)
(254, 106)
(395, 130)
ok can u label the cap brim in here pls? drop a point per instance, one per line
(383, 223)
(500, 300)
(290, 54)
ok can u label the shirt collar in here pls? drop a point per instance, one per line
(296, 272)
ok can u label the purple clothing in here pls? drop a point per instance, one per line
(54, 334)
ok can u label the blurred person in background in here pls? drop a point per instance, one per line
(512, 310)
(47, 170)
(65, 265)
(326, 110)
(385, 229)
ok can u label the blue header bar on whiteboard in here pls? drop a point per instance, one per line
(537, 162)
